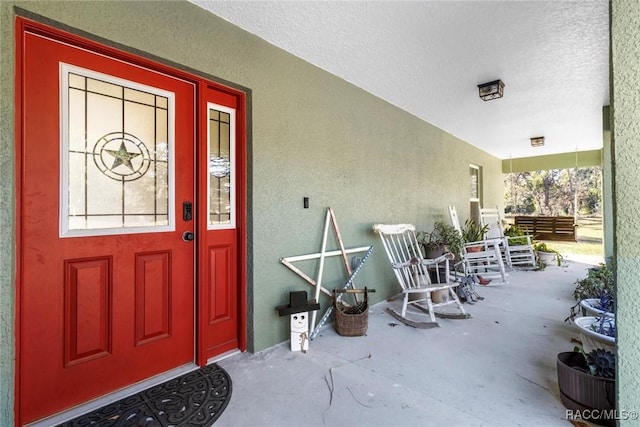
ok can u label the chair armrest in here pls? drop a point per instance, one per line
(488, 242)
(424, 261)
(448, 256)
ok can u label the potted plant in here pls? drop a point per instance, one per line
(587, 383)
(598, 307)
(546, 255)
(516, 235)
(474, 232)
(443, 238)
(597, 332)
(599, 280)
(596, 292)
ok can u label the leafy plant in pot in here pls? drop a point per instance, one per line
(515, 233)
(474, 232)
(598, 307)
(595, 293)
(597, 332)
(599, 279)
(545, 254)
(443, 238)
(587, 383)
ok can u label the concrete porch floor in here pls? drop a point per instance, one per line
(495, 369)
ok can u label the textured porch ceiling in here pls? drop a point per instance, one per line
(427, 57)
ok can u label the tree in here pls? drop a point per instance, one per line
(554, 192)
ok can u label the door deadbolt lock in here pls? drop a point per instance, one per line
(187, 211)
(188, 236)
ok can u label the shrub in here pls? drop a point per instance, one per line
(515, 231)
(599, 283)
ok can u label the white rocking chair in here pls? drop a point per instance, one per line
(413, 273)
(481, 258)
(517, 250)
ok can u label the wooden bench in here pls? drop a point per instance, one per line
(561, 228)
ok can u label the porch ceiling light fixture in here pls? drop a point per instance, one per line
(491, 90)
(537, 141)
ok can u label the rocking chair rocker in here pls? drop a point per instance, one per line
(413, 273)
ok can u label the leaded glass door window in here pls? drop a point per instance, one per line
(116, 155)
(221, 155)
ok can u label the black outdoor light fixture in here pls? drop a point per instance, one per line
(537, 141)
(491, 90)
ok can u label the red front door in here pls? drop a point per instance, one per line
(107, 281)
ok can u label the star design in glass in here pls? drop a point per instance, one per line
(122, 157)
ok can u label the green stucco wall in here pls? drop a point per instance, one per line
(625, 63)
(7, 224)
(311, 134)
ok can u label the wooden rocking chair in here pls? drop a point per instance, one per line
(517, 250)
(414, 274)
(481, 258)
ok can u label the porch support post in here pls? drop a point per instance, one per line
(625, 82)
(607, 183)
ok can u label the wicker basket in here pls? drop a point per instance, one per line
(352, 321)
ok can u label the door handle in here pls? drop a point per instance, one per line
(188, 236)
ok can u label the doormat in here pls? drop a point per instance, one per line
(197, 398)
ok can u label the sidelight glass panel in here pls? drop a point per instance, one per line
(116, 155)
(221, 167)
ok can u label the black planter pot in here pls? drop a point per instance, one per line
(436, 252)
(594, 397)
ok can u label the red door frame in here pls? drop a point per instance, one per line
(23, 25)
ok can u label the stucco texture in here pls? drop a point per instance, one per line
(310, 134)
(625, 61)
(7, 223)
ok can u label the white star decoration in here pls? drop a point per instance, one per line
(317, 284)
(122, 157)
